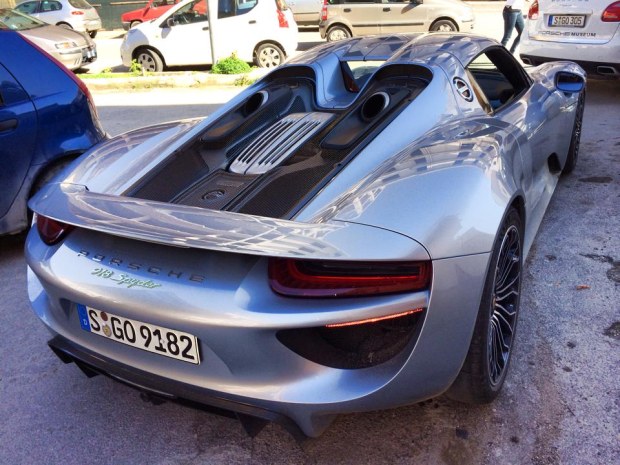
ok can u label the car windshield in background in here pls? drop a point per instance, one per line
(11, 19)
(360, 71)
(81, 4)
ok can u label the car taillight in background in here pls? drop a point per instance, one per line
(611, 13)
(52, 231)
(282, 21)
(324, 11)
(533, 11)
(77, 13)
(309, 278)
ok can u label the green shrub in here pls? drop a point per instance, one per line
(231, 65)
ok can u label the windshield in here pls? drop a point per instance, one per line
(356, 73)
(11, 19)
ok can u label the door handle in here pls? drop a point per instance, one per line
(8, 125)
(387, 9)
(252, 21)
(347, 10)
(206, 28)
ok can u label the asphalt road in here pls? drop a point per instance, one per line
(560, 405)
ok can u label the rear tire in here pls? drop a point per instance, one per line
(269, 56)
(484, 371)
(573, 149)
(443, 25)
(149, 60)
(65, 25)
(336, 33)
(92, 34)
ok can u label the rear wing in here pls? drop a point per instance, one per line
(192, 227)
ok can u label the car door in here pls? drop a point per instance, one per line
(51, 11)
(183, 38)
(402, 16)
(241, 24)
(362, 15)
(18, 135)
(526, 110)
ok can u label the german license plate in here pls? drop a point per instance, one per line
(145, 336)
(567, 20)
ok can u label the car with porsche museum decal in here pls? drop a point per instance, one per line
(586, 32)
(346, 234)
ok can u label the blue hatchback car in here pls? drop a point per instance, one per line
(47, 119)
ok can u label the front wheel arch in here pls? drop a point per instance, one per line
(262, 46)
(158, 62)
(338, 27)
(444, 24)
(476, 382)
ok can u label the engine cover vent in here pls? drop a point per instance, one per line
(276, 143)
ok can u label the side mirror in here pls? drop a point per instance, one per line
(569, 82)
(416, 2)
(170, 22)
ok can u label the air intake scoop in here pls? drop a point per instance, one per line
(276, 143)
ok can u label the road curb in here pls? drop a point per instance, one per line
(187, 79)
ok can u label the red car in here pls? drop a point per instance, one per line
(153, 9)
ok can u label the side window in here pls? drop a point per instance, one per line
(228, 8)
(50, 6)
(497, 78)
(28, 7)
(194, 12)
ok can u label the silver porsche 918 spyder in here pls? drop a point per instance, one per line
(347, 234)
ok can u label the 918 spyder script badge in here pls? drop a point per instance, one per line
(123, 279)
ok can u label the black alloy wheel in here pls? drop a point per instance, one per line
(485, 367)
(573, 149)
(504, 304)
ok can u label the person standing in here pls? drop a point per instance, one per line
(513, 19)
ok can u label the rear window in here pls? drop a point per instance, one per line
(81, 4)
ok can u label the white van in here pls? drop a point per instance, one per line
(259, 31)
(584, 31)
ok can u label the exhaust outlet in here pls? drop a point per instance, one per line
(255, 102)
(374, 105)
(607, 70)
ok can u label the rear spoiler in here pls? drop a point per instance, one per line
(200, 228)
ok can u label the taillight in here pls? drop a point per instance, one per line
(77, 13)
(282, 21)
(52, 231)
(324, 11)
(533, 11)
(611, 13)
(308, 278)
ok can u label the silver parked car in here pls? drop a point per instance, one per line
(73, 14)
(347, 234)
(306, 12)
(69, 47)
(341, 19)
